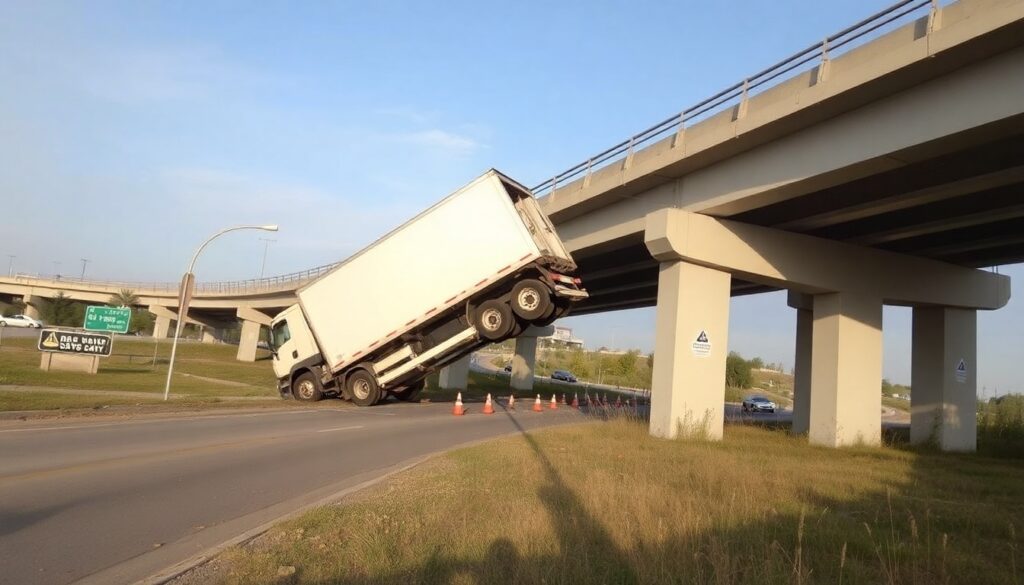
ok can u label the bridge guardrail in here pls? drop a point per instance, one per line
(872, 27)
(253, 285)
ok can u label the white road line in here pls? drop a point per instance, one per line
(340, 429)
(163, 420)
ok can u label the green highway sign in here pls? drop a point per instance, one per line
(109, 319)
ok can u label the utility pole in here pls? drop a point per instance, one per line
(10, 266)
(84, 262)
(56, 268)
(266, 247)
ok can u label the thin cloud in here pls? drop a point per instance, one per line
(440, 140)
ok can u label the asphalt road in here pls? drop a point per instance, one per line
(114, 501)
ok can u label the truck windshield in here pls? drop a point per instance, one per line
(279, 335)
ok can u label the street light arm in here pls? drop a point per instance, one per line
(183, 311)
(192, 263)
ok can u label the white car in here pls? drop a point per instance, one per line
(20, 321)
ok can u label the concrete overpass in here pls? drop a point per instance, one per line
(882, 165)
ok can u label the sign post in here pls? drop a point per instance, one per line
(107, 319)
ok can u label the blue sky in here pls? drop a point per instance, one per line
(130, 131)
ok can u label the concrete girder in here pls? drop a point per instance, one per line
(249, 337)
(899, 90)
(816, 265)
(248, 314)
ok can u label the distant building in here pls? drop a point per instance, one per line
(562, 337)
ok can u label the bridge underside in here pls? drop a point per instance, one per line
(964, 207)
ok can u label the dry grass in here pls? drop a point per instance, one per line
(604, 503)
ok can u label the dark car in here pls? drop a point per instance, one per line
(758, 404)
(563, 376)
(508, 368)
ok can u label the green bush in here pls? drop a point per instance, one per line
(1001, 426)
(737, 371)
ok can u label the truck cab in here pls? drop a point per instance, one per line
(293, 348)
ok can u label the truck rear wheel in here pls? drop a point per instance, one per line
(304, 388)
(531, 299)
(493, 320)
(363, 388)
(410, 393)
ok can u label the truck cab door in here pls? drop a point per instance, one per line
(291, 341)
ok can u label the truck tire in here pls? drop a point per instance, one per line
(362, 387)
(410, 393)
(304, 388)
(531, 299)
(493, 320)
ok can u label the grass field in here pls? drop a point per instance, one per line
(605, 503)
(202, 371)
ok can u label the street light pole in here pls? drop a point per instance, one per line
(10, 265)
(84, 262)
(185, 294)
(266, 246)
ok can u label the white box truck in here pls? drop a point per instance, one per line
(478, 267)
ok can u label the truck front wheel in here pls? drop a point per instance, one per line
(304, 388)
(363, 388)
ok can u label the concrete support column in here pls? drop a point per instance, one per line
(846, 370)
(211, 335)
(248, 340)
(160, 327)
(455, 375)
(32, 306)
(690, 345)
(523, 363)
(802, 371)
(944, 378)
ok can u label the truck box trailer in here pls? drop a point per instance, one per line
(478, 267)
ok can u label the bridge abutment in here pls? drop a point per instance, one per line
(33, 306)
(691, 344)
(944, 378)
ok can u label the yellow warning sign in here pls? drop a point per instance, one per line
(51, 340)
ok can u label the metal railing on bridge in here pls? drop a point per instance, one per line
(817, 54)
(251, 286)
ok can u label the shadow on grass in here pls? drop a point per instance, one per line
(906, 528)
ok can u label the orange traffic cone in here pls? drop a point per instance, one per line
(590, 401)
(458, 410)
(564, 401)
(536, 405)
(488, 407)
(511, 401)
(618, 402)
(576, 401)
(554, 403)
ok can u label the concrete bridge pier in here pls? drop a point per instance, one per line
(249, 339)
(33, 306)
(841, 289)
(524, 361)
(804, 305)
(944, 378)
(161, 326)
(846, 370)
(691, 344)
(455, 376)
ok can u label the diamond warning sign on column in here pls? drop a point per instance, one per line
(702, 345)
